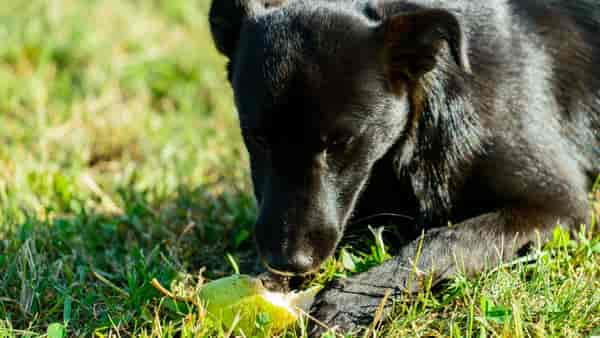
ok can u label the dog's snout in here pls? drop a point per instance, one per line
(290, 249)
(295, 264)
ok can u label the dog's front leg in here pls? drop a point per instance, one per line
(469, 247)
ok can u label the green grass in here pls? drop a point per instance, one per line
(121, 162)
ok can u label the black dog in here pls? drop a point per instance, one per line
(482, 114)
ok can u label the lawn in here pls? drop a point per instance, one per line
(121, 162)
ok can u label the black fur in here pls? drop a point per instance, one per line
(483, 114)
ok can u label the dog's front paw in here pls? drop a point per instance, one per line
(346, 306)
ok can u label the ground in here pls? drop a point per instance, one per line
(121, 162)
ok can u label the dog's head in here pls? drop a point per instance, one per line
(323, 91)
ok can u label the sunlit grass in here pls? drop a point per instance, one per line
(121, 161)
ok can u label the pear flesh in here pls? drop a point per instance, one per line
(246, 297)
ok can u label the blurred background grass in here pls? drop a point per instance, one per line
(121, 161)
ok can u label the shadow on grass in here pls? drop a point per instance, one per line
(93, 269)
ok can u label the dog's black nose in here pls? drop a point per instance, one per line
(288, 265)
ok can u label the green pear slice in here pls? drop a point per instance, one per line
(246, 297)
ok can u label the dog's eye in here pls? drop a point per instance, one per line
(340, 143)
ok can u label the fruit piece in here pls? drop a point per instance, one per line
(260, 310)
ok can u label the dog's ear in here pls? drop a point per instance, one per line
(227, 16)
(413, 40)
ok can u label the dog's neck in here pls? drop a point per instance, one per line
(441, 142)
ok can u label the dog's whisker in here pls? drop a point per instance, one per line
(383, 214)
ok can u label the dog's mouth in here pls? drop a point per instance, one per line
(279, 283)
(287, 274)
(291, 274)
(279, 272)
